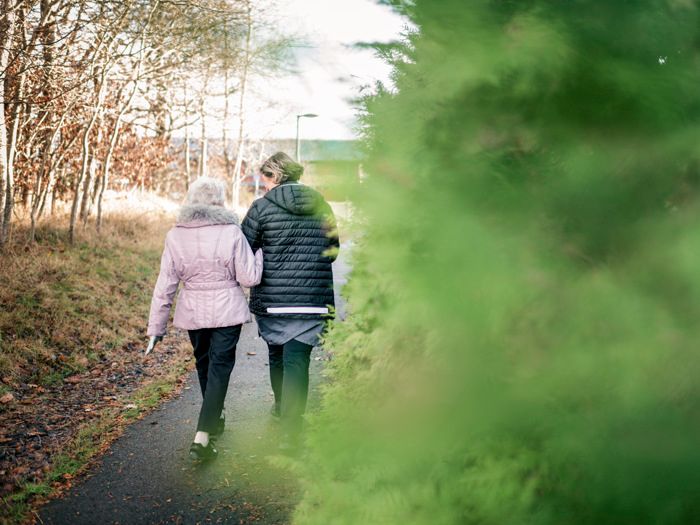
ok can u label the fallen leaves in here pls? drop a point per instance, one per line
(20, 471)
(37, 421)
(7, 398)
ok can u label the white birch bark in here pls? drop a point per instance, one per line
(8, 28)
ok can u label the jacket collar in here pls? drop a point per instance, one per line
(193, 215)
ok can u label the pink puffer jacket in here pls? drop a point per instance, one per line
(208, 253)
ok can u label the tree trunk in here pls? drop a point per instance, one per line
(85, 163)
(37, 195)
(47, 38)
(188, 162)
(16, 116)
(11, 154)
(89, 186)
(188, 168)
(90, 179)
(7, 29)
(237, 175)
(202, 166)
(227, 111)
(54, 194)
(48, 189)
(113, 139)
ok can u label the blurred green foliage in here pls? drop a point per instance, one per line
(523, 344)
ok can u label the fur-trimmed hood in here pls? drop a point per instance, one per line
(210, 255)
(204, 214)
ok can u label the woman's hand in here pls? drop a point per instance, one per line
(152, 342)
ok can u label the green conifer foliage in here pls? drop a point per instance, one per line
(523, 344)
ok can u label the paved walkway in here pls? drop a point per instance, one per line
(148, 478)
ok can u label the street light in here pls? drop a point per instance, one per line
(305, 115)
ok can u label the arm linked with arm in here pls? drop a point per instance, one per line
(248, 267)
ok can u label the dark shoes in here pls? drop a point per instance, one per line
(199, 452)
(220, 425)
(275, 411)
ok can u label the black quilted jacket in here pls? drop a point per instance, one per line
(296, 230)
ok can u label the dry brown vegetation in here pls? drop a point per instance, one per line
(72, 324)
(96, 92)
(64, 307)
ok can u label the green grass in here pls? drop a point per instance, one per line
(53, 378)
(89, 299)
(72, 305)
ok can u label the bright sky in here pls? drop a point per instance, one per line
(329, 71)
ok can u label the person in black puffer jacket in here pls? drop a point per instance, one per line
(296, 230)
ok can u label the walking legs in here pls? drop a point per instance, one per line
(215, 354)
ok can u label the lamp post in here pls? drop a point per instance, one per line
(298, 144)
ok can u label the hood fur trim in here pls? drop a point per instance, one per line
(207, 214)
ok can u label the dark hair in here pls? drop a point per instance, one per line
(281, 168)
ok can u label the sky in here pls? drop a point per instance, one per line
(329, 71)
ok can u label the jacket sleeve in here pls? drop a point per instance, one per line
(163, 295)
(251, 227)
(248, 267)
(332, 233)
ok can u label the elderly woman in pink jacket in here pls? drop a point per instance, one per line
(206, 252)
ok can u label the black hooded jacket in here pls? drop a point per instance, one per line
(296, 230)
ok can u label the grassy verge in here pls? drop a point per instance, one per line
(76, 311)
(64, 307)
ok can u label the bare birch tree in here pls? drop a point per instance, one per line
(7, 29)
(91, 87)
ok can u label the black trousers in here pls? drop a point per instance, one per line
(289, 376)
(215, 355)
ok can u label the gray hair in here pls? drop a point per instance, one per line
(281, 168)
(207, 190)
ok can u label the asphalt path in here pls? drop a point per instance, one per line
(147, 476)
